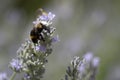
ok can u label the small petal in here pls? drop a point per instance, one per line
(16, 65)
(3, 76)
(37, 48)
(48, 17)
(40, 48)
(55, 39)
(44, 18)
(26, 77)
(95, 62)
(81, 68)
(88, 56)
(51, 16)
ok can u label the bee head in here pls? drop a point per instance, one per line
(42, 12)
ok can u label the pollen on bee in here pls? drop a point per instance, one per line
(33, 37)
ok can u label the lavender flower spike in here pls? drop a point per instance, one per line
(83, 69)
(32, 57)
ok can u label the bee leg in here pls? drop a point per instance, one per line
(41, 37)
(46, 28)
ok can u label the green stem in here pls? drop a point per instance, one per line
(13, 76)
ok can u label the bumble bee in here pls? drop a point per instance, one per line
(36, 32)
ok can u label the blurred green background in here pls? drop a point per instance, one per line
(82, 25)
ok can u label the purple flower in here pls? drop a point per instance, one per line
(44, 19)
(81, 68)
(55, 39)
(16, 65)
(47, 17)
(95, 62)
(51, 16)
(40, 48)
(3, 76)
(26, 76)
(88, 56)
